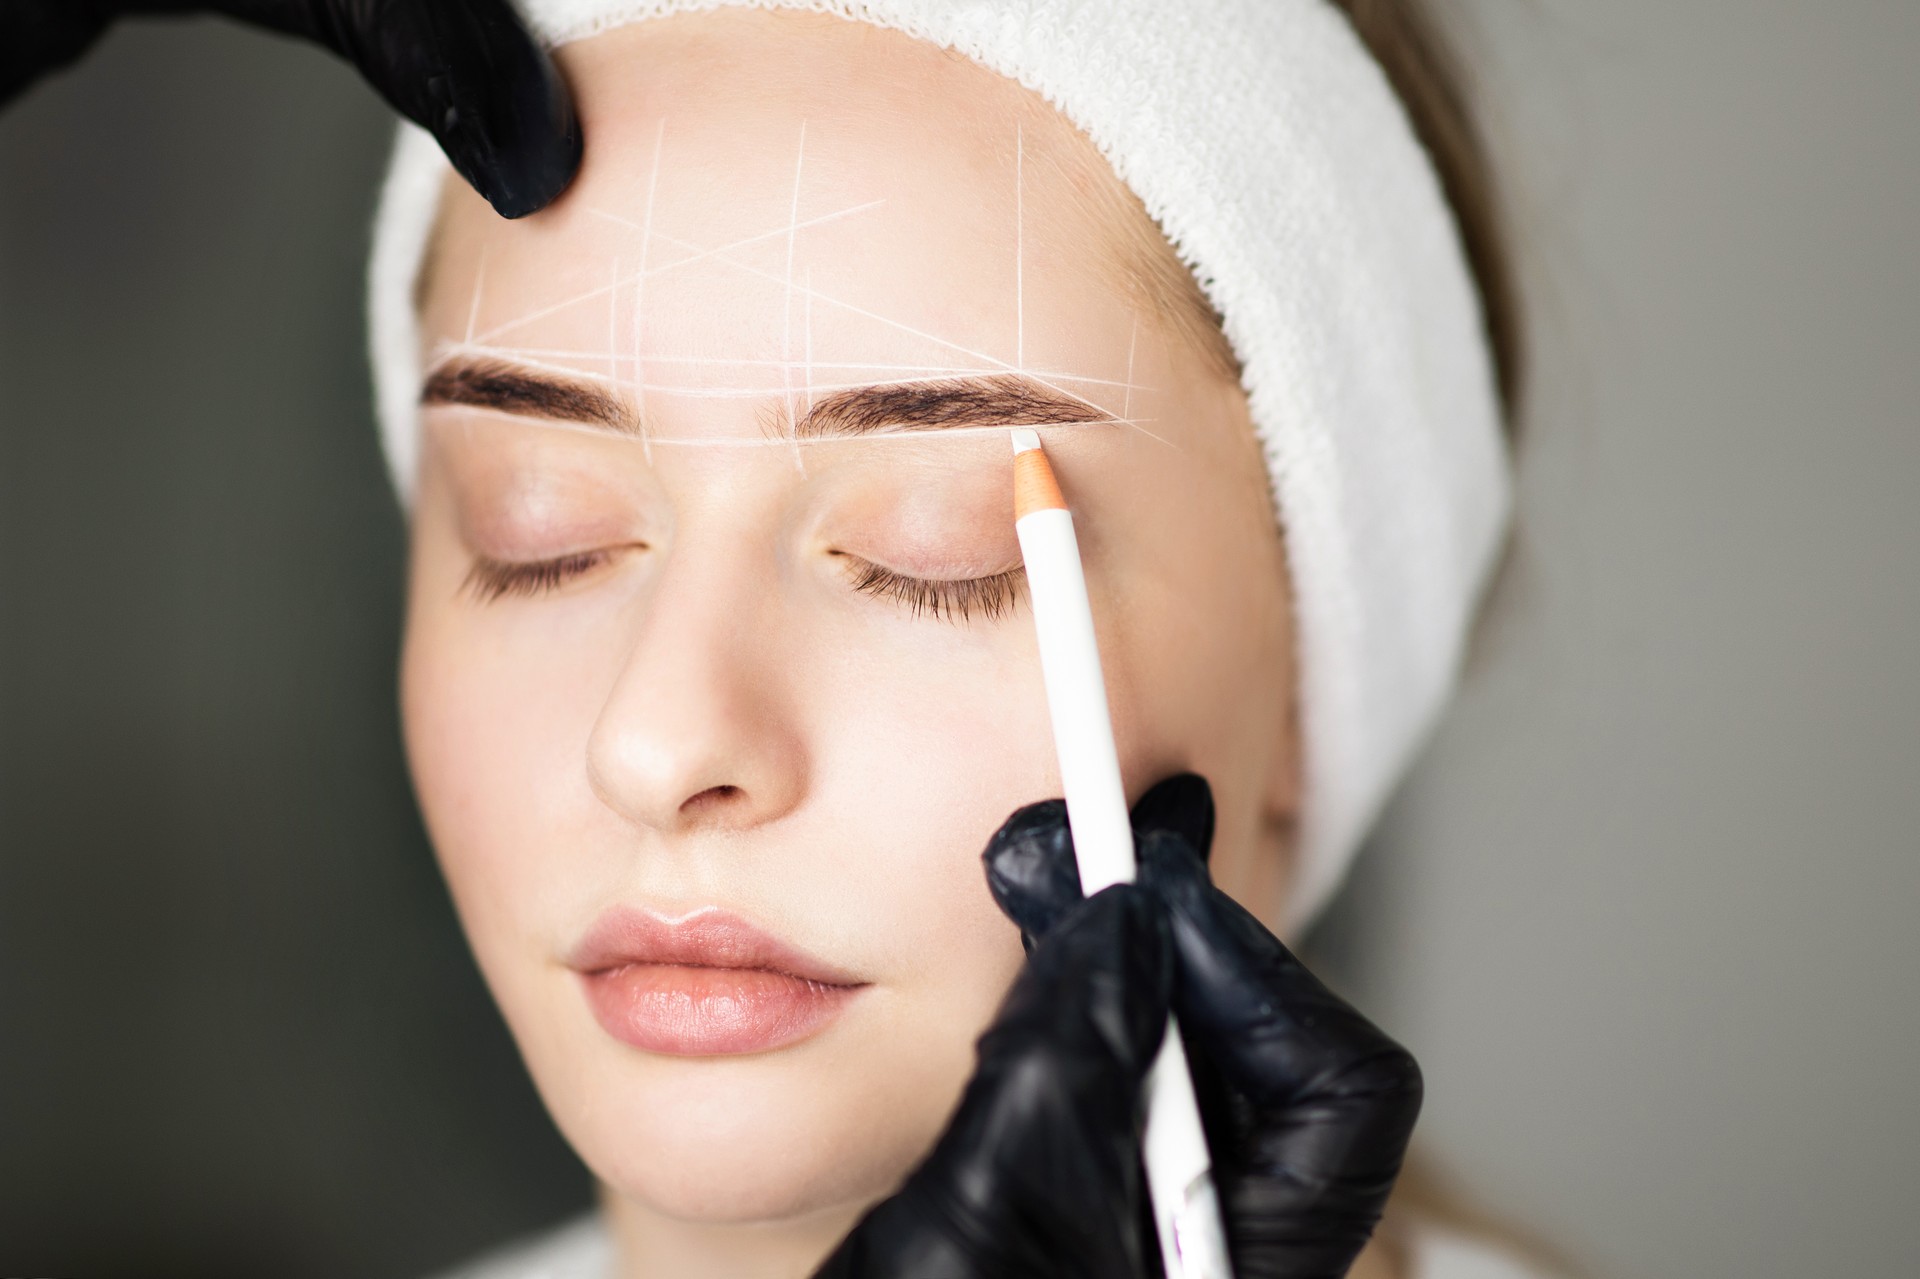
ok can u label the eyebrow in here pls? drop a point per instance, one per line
(999, 399)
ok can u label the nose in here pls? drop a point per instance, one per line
(696, 733)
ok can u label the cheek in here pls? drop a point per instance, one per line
(490, 725)
(923, 747)
(1201, 675)
(919, 763)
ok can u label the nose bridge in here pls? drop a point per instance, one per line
(696, 731)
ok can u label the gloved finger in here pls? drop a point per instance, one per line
(1181, 805)
(1038, 1173)
(1277, 1033)
(1326, 1100)
(1276, 1028)
(467, 71)
(1031, 871)
(38, 38)
(1030, 864)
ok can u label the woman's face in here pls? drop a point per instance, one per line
(717, 657)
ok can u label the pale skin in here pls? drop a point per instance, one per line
(704, 706)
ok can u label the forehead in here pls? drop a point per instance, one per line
(776, 194)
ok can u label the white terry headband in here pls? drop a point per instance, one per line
(1280, 164)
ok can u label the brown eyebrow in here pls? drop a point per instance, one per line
(494, 384)
(1000, 399)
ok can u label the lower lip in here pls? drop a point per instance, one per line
(703, 1012)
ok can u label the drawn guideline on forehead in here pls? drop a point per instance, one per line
(961, 389)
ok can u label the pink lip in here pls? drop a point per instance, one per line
(705, 985)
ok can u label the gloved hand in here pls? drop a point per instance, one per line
(465, 70)
(1308, 1106)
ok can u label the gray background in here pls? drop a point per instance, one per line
(1641, 910)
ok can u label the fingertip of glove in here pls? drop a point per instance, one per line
(1047, 816)
(1181, 805)
(494, 98)
(528, 153)
(528, 183)
(1030, 867)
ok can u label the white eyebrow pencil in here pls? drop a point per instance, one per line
(1186, 1209)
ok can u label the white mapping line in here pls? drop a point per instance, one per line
(613, 326)
(1133, 334)
(735, 393)
(640, 293)
(702, 392)
(448, 350)
(830, 300)
(786, 318)
(786, 364)
(702, 254)
(554, 360)
(699, 253)
(902, 435)
(696, 256)
(479, 282)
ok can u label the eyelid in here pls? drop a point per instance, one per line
(489, 579)
(992, 595)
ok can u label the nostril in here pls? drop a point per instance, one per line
(711, 798)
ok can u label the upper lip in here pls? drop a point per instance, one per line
(706, 938)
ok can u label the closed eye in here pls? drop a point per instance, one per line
(955, 599)
(489, 579)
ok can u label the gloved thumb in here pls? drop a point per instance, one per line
(1038, 1173)
(1030, 864)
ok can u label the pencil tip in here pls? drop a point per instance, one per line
(1025, 439)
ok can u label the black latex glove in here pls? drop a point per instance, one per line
(1044, 1147)
(1308, 1106)
(465, 70)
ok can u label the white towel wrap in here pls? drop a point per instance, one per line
(1272, 151)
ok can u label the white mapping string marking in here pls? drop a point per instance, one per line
(716, 392)
(1133, 334)
(908, 329)
(724, 254)
(898, 435)
(676, 264)
(552, 356)
(751, 392)
(613, 326)
(712, 392)
(786, 316)
(479, 282)
(830, 300)
(806, 328)
(640, 292)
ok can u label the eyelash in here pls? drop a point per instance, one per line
(957, 599)
(490, 580)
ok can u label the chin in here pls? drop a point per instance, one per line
(767, 1137)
